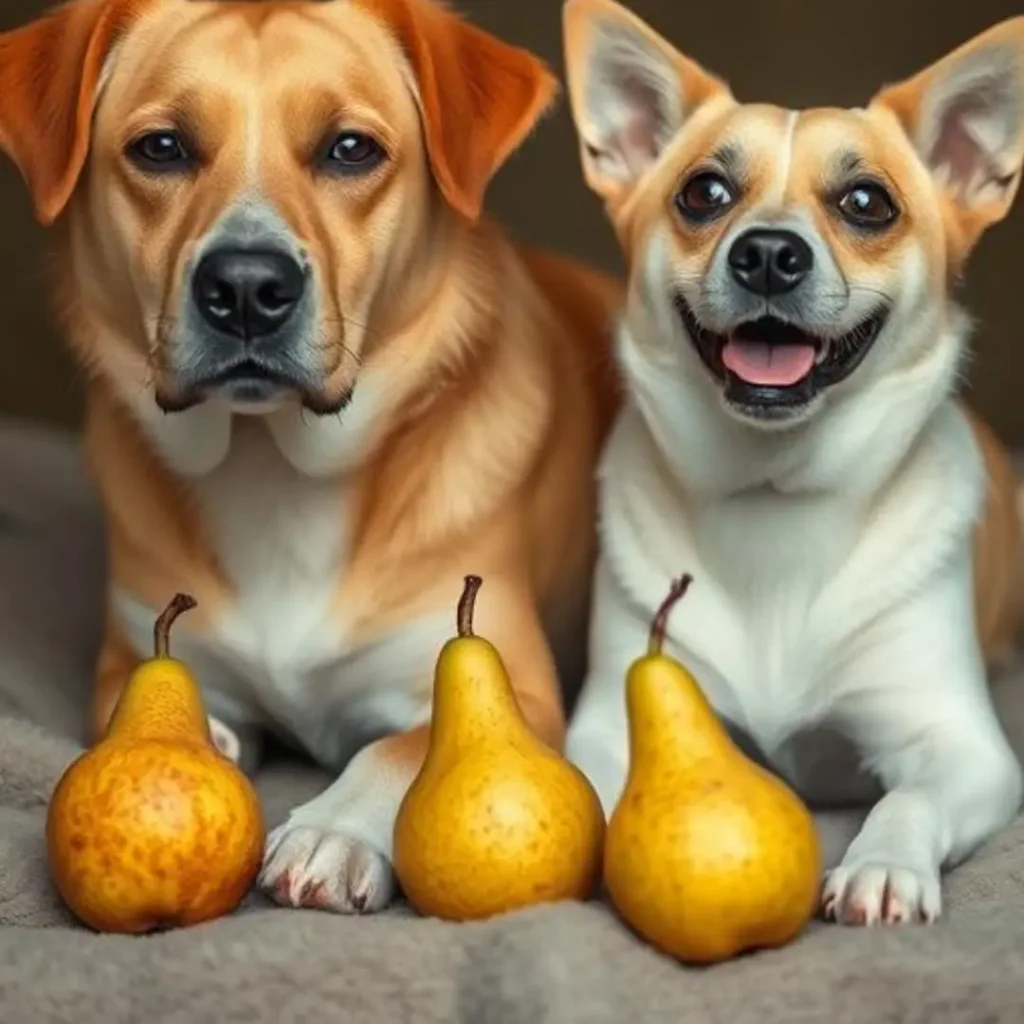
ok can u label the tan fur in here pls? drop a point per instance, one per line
(499, 355)
(998, 553)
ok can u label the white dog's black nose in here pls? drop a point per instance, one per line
(247, 294)
(768, 261)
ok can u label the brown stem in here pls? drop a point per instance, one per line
(660, 624)
(162, 628)
(466, 604)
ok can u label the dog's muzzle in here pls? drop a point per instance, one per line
(772, 369)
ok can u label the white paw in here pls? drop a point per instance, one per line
(321, 869)
(870, 893)
(225, 740)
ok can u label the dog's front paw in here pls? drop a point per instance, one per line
(872, 892)
(324, 869)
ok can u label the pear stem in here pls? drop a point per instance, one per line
(467, 603)
(660, 624)
(162, 627)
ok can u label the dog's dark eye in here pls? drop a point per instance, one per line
(704, 196)
(352, 153)
(159, 151)
(867, 205)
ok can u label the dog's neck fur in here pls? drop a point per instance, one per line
(782, 509)
(849, 449)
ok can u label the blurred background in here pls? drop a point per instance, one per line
(790, 52)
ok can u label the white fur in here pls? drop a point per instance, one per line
(832, 586)
(193, 442)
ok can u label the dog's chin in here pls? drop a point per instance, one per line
(251, 389)
(776, 373)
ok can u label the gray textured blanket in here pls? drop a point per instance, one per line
(560, 964)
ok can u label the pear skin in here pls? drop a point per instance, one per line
(153, 827)
(708, 855)
(495, 820)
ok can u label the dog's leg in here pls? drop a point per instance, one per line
(918, 707)
(334, 853)
(598, 739)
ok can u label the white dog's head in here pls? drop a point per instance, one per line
(782, 259)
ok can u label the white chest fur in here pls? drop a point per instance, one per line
(280, 653)
(785, 584)
(282, 540)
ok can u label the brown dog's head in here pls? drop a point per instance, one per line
(785, 257)
(248, 187)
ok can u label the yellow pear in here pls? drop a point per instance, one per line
(495, 820)
(153, 827)
(707, 855)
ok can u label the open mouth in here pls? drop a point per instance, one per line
(773, 368)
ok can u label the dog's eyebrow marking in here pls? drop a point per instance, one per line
(184, 109)
(729, 158)
(189, 128)
(851, 163)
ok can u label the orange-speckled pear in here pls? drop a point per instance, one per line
(153, 827)
(496, 820)
(707, 855)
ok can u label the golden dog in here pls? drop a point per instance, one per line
(322, 388)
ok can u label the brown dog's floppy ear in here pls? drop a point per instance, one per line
(965, 117)
(49, 74)
(630, 92)
(479, 96)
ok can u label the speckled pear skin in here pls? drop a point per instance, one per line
(707, 854)
(496, 820)
(153, 828)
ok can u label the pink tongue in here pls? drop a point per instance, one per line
(757, 362)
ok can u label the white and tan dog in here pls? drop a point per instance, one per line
(791, 348)
(323, 387)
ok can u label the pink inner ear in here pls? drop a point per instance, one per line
(640, 134)
(641, 122)
(957, 150)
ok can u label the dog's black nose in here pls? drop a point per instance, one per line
(247, 294)
(770, 262)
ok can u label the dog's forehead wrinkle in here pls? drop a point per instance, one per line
(216, 46)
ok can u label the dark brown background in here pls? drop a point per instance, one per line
(792, 52)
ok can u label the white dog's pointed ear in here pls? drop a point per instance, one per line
(630, 92)
(965, 117)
